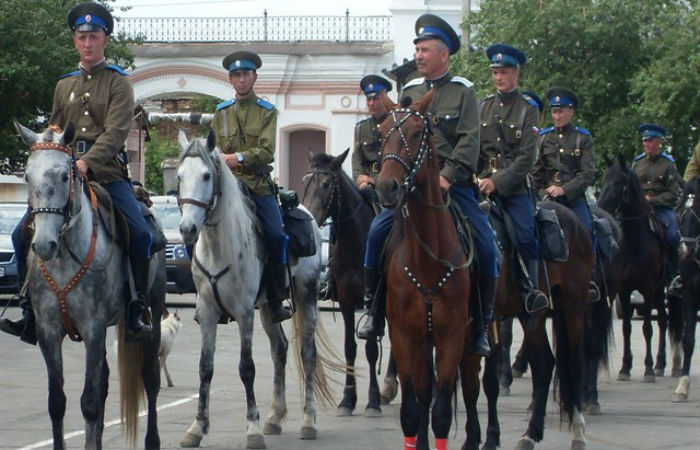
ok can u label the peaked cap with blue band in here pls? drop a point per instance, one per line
(373, 85)
(504, 55)
(651, 131)
(430, 26)
(529, 95)
(241, 60)
(90, 17)
(560, 97)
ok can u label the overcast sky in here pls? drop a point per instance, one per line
(252, 8)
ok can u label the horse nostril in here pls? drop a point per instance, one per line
(53, 246)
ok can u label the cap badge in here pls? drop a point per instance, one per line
(420, 30)
(371, 87)
(88, 18)
(499, 57)
(238, 63)
(557, 99)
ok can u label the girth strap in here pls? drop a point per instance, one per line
(213, 279)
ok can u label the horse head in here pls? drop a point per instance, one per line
(199, 187)
(406, 146)
(53, 186)
(689, 222)
(321, 196)
(621, 193)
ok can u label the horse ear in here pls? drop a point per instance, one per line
(68, 134)
(310, 156)
(211, 139)
(338, 160)
(388, 103)
(606, 159)
(621, 160)
(182, 139)
(27, 135)
(425, 102)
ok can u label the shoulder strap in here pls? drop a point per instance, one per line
(238, 123)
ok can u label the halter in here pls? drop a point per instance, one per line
(65, 210)
(334, 200)
(691, 242)
(216, 188)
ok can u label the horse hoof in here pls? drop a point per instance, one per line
(170, 385)
(592, 409)
(308, 433)
(504, 391)
(659, 372)
(623, 376)
(525, 443)
(256, 441)
(517, 373)
(373, 413)
(343, 411)
(388, 392)
(272, 428)
(488, 445)
(680, 398)
(190, 440)
(676, 372)
(578, 444)
(649, 378)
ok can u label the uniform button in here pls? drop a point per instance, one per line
(561, 150)
(84, 129)
(498, 139)
(86, 113)
(500, 120)
(89, 77)
(561, 136)
(447, 116)
(501, 104)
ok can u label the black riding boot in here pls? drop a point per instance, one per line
(480, 340)
(675, 287)
(535, 300)
(24, 327)
(137, 326)
(276, 284)
(373, 327)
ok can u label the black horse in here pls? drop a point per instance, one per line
(690, 272)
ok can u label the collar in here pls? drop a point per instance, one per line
(508, 96)
(439, 81)
(380, 119)
(566, 128)
(94, 69)
(250, 97)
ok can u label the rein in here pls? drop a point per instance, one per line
(691, 242)
(62, 294)
(213, 201)
(334, 200)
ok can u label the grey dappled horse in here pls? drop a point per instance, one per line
(217, 216)
(66, 231)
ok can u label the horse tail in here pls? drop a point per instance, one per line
(568, 333)
(598, 332)
(131, 387)
(675, 318)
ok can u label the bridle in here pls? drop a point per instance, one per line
(216, 191)
(331, 207)
(691, 243)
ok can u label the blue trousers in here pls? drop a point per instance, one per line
(580, 208)
(522, 214)
(483, 240)
(670, 223)
(276, 240)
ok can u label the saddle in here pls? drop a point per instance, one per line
(606, 243)
(297, 224)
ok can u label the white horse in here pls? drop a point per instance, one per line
(218, 217)
(78, 285)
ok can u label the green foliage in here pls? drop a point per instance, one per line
(158, 149)
(37, 47)
(206, 104)
(629, 61)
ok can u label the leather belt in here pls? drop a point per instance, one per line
(243, 170)
(375, 166)
(82, 147)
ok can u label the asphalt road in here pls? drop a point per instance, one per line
(636, 415)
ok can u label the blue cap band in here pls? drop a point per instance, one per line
(650, 134)
(94, 20)
(242, 64)
(433, 31)
(560, 101)
(374, 87)
(505, 60)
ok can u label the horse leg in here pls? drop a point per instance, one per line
(52, 352)
(307, 314)
(92, 400)
(390, 388)
(505, 373)
(675, 319)
(662, 321)
(648, 332)
(246, 370)
(349, 401)
(690, 310)
(278, 349)
(625, 369)
(151, 382)
(491, 389)
(207, 326)
(469, 374)
(373, 408)
(590, 387)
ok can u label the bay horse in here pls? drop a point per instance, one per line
(77, 277)
(690, 273)
(428, 279)
(640, 247)
(330, 193)
(227, 269)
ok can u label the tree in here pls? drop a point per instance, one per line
(620, 56)
(37, 48)
(158, 149)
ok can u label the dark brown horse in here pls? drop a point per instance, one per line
(428, 284)
(330, 193)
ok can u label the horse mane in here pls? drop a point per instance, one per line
(323, 160)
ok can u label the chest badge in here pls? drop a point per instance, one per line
(71, 97)
(577, 152)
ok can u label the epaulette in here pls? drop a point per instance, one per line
(462, 80)
(225, 104)
(117, 69)
(546, 130)
(531, 101)
(669, 157)
(640, 156)
(267, 105)
(414, 82)
(71, 74)
(582, 131)
(489, 97)
(362, 120)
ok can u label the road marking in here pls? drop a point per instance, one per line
(73, 434)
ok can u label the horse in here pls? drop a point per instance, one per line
(78, 280)
(330, 193)
(227, 270)
(622, 196)
(428, 279)
(690, 272)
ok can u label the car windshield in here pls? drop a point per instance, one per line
(169, 215)
(10, 216)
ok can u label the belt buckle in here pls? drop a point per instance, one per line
(238, 169)
(80, 148)
(493, 164)
(376, 166)
(557, 177)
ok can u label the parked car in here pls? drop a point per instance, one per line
(10, 215)
(177, 261)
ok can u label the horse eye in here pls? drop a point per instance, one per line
(207, 177)
(64, 177)
(326, 184)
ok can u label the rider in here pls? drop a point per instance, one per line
(660, 180)
(98, 99)
(454, 113)
(508, 138)
(245, 128)
(565, 165)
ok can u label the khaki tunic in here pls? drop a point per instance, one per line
(367, 148)
(507, 156)
(659, 178)
(255, 139)
(693, 168)
(100, 103)
(454, 111)
(566, 159)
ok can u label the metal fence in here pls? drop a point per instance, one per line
(258, 29)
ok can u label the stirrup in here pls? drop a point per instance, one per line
(593, 292)
(530, 303)
(370, 330)
(675, 287)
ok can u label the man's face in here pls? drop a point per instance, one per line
(376, 107)
(91, 46)
(562, 116)
(652, 147)
(432, 58)
(243, 81)
(505, 78)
